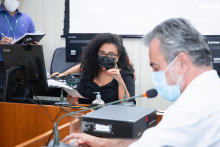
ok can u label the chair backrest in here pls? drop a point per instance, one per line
(58, 63)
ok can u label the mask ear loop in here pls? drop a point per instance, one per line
(170, 64)
(179, 79)
(116, 66)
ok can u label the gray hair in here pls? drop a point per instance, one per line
(178, 35)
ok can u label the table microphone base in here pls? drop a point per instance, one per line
(130, 104)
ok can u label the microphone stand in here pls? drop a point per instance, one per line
(131, 104)
(125, 96)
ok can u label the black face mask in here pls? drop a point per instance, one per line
(107, 62)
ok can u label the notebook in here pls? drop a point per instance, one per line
(34, 36)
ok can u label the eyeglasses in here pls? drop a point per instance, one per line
(112, 55)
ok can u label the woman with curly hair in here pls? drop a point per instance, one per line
(105, 50)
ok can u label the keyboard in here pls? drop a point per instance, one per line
(58, 79)
(34, 101)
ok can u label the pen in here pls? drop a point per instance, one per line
(4, 35)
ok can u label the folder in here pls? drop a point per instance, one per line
(34, 36)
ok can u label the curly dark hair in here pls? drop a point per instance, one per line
(89, 57)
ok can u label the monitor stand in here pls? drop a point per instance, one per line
(9, 84)
(11, 91)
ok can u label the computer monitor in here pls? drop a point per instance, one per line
(214, 45)
(75, 43)
(24, 68)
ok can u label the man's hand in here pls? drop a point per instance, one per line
(35, 43)
(84, 140)
(6, 40)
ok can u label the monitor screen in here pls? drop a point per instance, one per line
(75, 43)
(25, 68)
(214, 45)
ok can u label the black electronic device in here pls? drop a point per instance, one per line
(75, 43)
(214, 45)
(34, 101)
(24, 69)
(151, 93)
(115, 121)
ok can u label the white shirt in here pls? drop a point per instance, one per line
(193, 120)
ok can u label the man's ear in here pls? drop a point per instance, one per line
(183, 62)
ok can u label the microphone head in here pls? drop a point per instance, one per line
(102, 67)
(151, 93)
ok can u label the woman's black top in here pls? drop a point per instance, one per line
(108, 92)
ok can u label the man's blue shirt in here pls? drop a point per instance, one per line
(24, 25)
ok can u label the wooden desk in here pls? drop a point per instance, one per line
(28, 125)
(63, 131)
(22, 122)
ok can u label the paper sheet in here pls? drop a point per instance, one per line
(69, 90)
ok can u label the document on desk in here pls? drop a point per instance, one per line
(69, 90)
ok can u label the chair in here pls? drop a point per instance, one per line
(58, 63)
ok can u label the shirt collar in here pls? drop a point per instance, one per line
(202, 79)
(3, 10)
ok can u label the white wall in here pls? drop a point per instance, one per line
(48, 16)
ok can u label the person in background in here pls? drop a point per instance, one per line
(182, 72)
(104, 50)
(76, 69)
(13, 25)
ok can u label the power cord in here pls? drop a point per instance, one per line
(50, 136)
(63, 109)
(34, 94)
(43, 106)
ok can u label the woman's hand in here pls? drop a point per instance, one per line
(72, 100)
(115, 73)
(58, 74)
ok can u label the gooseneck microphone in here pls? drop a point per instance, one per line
(150, 94)
(125, 96)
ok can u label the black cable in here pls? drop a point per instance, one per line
(46, 110)
(63, 109)
(27, 84)
(72, 108)
(43, 106)
(34, 94)
(77, 106)
(24, 97)
(50, 136)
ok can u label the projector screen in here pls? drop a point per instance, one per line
(138, 17)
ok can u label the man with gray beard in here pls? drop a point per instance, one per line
(182, 72)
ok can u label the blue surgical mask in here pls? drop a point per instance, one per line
(170, 93)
